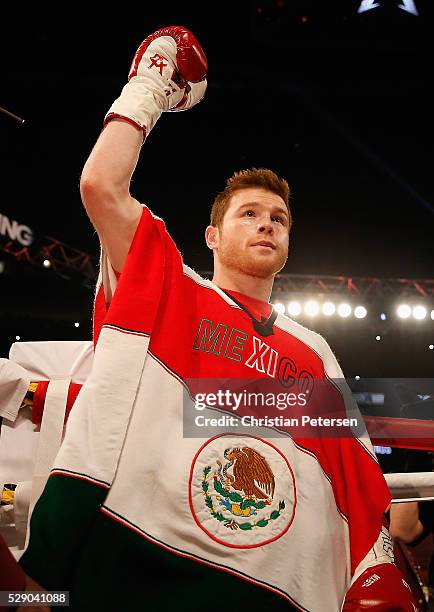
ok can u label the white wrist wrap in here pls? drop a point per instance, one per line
(153, 89)
(140, 101)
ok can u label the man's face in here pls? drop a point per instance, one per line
(253, 238)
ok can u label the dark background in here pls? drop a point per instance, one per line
(338, 102)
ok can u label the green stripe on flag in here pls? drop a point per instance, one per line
(122, 570)
(60, 524)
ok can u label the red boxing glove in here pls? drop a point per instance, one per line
(168, 73)
(381, 588)
(190, 58)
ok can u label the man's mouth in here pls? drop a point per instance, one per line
(265, 243)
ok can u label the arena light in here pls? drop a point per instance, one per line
(409, 6)
(279, 307)
(431, 347)
(432, 315)
(419, 312)
(383, 316)
(311, 308)
(17, 337)
(357, 377)
(404, 311)
(360, 312)
(382, 450)
(378, 338)
(76, 324)
(46, 263)
(294, 308)
(328, 309)
(344, 310)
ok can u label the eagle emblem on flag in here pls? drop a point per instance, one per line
(249, 488)
(239, 493)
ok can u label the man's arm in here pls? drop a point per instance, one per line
(167, 74)
(404, 522)
(105, 188)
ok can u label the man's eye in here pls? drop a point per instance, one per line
(279, 219)
(249, 213)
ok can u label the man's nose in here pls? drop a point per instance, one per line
(265, 225)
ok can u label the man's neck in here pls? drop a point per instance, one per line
(258, 288)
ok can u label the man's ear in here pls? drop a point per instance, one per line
(212, 237)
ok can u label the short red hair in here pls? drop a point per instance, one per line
(262, 178)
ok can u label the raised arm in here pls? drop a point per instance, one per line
(105, 188)
(167, 74)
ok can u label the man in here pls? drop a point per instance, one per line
(411, 523)
(142, 509)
